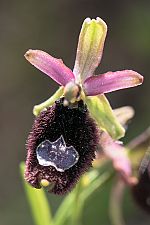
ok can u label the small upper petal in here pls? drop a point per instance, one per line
(111, 81)
(54, 68)
(90, 47)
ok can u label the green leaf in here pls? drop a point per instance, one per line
(102, 112)
(38, 203)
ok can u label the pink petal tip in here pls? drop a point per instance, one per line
(112, 81)
(54, 68)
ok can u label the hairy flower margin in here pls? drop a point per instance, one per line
(82, 85)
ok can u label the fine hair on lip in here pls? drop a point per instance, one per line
(78, 130)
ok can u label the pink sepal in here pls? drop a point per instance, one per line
(54, 68)
(111, 81)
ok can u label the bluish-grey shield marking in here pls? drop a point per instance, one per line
(57, 154)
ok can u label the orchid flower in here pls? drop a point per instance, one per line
(66, 132)
(82, 83)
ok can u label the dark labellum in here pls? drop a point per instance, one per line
(61, 146)
(141, 191)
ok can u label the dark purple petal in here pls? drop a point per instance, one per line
(111, 81)
(54, 68)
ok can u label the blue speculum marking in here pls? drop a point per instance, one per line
(57, 154)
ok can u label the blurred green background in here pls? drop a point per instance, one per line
(54, 26)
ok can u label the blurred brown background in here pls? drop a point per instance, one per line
(54, 26)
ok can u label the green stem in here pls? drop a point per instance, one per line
(115, 206)
(38, 108)
(82, 195)
(72, 206)
(103, 179)
(63, 212)
(76, 212)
